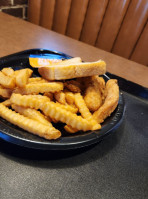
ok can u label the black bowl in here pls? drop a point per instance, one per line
(16, 135)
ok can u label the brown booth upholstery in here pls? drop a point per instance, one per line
(117, 26)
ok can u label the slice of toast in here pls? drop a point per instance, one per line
(72, 68)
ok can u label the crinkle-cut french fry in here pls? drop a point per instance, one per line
(6, 102)
(15, 98)
(22, 76)
(34, 80)
(8, 71)
(5, 92)
(31, 101)
(110, 103)
(40, 88)
(6, 81)
(80, 103)
(96, 126)
(60, 97)
(32, 114)
(50, 95)
(65, 116)
(69, 129)
(70, 99)
(30, 125)
(40, 97)
(47, 118)
(68, 107)
(53, 110)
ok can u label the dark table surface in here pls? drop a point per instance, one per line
(114, 168)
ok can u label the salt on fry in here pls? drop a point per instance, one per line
(32, 126)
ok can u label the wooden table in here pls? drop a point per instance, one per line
(17, 35)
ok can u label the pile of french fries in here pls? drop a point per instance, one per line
(34, 104)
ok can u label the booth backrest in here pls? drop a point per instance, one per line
(117, 26)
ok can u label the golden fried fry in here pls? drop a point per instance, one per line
(30, 125)
(16, 72)
(36, 80)
(110, 103)
(53, 111)
(40, 97)
(60, 97)
(32, 114)
(22, 76)
(8, 71)
(80, 103)
(93, 96)
(70, 99)
(40, 88)
(53, 120)
(16, 99)
(73, 86)
(65, 116)
(50, 95)
(6, 81)
(5, 92)
(99, 84)
(67, 107)
(69, 129)
(6, 102)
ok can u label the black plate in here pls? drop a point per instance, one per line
(16, 135)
